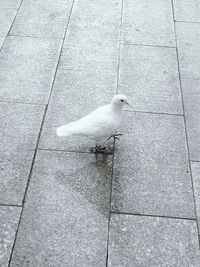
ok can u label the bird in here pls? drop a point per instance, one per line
(99, 125)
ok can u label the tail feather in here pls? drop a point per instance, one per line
(62, 131)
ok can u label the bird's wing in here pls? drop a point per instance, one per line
(98, 123)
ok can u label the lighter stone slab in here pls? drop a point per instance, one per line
(19, 131)
(10, 3)
(92, 42)
(188, 35)
(9, 217)
(148, 22)
(196, 182)
(187, 10)
(6, 19)
(27, 67)
(65, 219)
(146, 241)
(42, 18)
(75, 94)
(151, 172)
(149, 77)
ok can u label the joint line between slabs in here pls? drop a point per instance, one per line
(111, 182)
(185, 123)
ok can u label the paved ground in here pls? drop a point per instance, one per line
(58, 205)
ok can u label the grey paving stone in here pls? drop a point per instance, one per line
(42, 18)
(27, 67)
(187, 10)
(6, 19)
(98, 8)
(148, 22)
(92, 42)
(10, 3)
(188, 36)
(9, 217)
(75, 94)
(19, 130)
(65, 219)
(1, 41)
(196, 183)
(151, 172)
(150, 76)
(145, 241)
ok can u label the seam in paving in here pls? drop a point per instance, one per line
(38, 140)
(36, 37)
(70, 151)
(193, 160)
(10, 205)
(185, 21)
(21, 103)
(11, 24)
(162, 46)
(113, 158)
(153, 216)
(186, 135)
(154, 113)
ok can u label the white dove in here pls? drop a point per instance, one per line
(100, 125)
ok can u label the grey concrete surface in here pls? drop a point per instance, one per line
(66, 213)
(147, 241)
(149, 76)
(42, 18)
(151, 171)
(6, 19)
(187, 10)
(31, 62)
(20, 125)
(59, 204)
(143, 25)
(188, 36)
(196, 179)
(9, 218)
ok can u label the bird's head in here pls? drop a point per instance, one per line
(120, 100)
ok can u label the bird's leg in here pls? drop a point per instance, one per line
(115, 136)
(98, 149)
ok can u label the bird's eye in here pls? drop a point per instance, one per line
(122, 100)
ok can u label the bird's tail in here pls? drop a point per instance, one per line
(62, 131)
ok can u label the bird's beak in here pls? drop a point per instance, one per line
(126, 102)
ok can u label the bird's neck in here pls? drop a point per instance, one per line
(116, 108)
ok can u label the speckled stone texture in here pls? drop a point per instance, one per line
(149, 77)
(151, 170)
(31, 62)
(10, 4)
(196, 180)
(187, 10)
(1, 41)
(6, 19)
(147, 241)
(75, 94)
(9, 217)
(20, 125)
(188, 36)
(66, 212)
(42, 18)
(143, 25)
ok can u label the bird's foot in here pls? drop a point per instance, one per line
(115, 136)
(100, 150)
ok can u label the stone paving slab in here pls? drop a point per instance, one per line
(10, 4)
(31, 63)
(151, 170)
(146, 241)
(6, 19)
(65, 218)
(188, 35)
(9, 217)
(196, 181)
(42, 18)
(187, 10)
(19, 131)
(148, 23)
(149, 75)
(75, 94)
(92, 42)
(1, 41)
